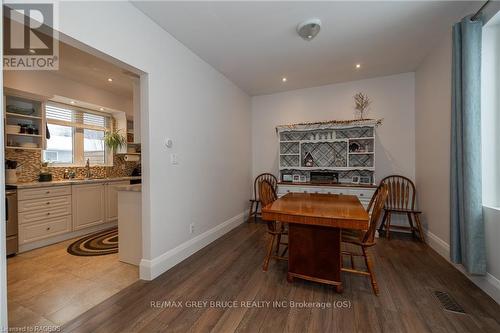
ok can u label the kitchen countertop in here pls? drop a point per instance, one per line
(130, 188)
(70, 182)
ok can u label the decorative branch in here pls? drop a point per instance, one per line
(361, 103)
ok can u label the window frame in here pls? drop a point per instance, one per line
(78, 136)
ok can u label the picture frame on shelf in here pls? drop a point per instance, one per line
(355, 180)
(296, 178)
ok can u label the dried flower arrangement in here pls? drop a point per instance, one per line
(361, 103)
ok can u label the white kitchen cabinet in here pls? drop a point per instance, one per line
(112, 199)
(89, 205)
(364, 194)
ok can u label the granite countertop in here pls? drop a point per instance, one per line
(70, 182)
(130, 188)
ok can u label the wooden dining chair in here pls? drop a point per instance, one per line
(254, 203)
(401, 200)
(275, 229)
(366, 238)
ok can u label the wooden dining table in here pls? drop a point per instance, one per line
(315, 223)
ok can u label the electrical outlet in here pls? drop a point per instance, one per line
(191, 228)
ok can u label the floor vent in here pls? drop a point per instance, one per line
(448, 303)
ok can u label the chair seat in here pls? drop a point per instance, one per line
(402, 210)
(352, 236)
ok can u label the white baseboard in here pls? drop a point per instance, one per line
(150, 269)
(66, 236)
(488, 283)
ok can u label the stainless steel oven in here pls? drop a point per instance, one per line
(11, 221)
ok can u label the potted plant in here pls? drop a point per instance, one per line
(114, 140)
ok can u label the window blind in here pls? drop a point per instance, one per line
(61, 114)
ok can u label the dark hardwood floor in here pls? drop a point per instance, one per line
(229, 269)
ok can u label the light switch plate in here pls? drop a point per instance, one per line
(174, 159)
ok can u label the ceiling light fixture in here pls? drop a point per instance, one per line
(102, 109)
(110, 79)
(72, 102)
(283, 79)
(358, 66)
(309, 29)
(32, 51)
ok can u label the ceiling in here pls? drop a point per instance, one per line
(254, 44)
(83, 67)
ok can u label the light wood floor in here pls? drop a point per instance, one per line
(49, 287)
(230, 269)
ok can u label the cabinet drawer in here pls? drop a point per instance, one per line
(282, 190)
(312, 190)
(336, 190)
(43, 192)
(47, 228)
(49, 213)
(362, 193)
(46, 203)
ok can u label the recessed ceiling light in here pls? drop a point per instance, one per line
(283, 79)
(358, 66)
(110, 79)
(72, 102)
(102, 109)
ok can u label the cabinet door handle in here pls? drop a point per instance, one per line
(48, 202)
(48, 228)
(48, 213)
(47, 192)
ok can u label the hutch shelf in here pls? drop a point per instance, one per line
(344, 150)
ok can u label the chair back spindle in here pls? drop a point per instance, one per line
(401, 193)
(270, 178)
(267, 196)
(377, 205)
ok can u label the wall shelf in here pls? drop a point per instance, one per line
(22, 148)
(25, 134)
(18, 115)
(15, 103)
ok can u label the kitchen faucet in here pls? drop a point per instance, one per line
(87, 169)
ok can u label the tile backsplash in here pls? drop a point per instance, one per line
(30, 162)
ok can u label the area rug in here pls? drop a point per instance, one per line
(98, 244)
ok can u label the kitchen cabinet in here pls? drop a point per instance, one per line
(43, 212)
(111, 195)
(88, 205)
(364, 194)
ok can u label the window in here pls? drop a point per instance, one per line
(490, 118)
(76, 135)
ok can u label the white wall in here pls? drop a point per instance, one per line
(206, 116)
(47, 83)
(433, 132)
(392, 99)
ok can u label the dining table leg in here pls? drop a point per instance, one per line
(314, 254)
